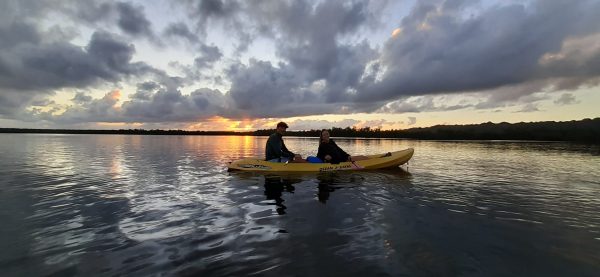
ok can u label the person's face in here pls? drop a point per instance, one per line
(325, 136)
(281, 130)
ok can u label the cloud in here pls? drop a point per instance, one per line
(319, 72)
(311, 43)
(577, 62)
(411, 120)
(36, 60)
(170, 105)
(211, 12)
(209, 55)
(327, 59)
(261, 90)
(81, 98)
(32, 64)
(441, 51)
(417, 104)
(104, 109)
(130, 19)
(16, 33)
(566, 99)
(153, 103)
(49, 66)
(307, 124)
(181, 30)
(318, 124)
(528, 108)
(133, 21)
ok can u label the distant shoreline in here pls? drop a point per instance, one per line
(586, 130)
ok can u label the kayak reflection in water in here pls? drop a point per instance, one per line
(326, 186)
(274, 187)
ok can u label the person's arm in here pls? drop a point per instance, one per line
(342, 153)
(321, 153)
(285, 152)
(324, 152)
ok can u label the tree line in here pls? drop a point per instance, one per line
(586, 130)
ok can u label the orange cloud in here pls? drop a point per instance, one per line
(114, 95)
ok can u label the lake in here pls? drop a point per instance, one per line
(106, 205)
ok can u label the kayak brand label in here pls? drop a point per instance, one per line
(255, 166)
(339, 167)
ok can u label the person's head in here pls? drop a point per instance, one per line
(281, 126)
(324, 137)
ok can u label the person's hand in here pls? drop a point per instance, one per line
(327, 157)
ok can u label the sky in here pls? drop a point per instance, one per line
(246, 65)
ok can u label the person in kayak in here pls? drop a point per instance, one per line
(330, 152)
(276, 151)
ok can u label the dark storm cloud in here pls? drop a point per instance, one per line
(36, 60)
(319, 72)
(231, 16)
(208, 8)
(310, 40)
(132, 20)
(262, 90)
(128, 18)
(172, 106)
(441, 51)
(208, 55)
(11, 102)
(48, 66)
(15, 33)
(31, 65)
(211, 12)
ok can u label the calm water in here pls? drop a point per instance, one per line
(99, 205)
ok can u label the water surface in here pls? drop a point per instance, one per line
(106, 205)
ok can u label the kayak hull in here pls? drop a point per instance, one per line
(378, 161)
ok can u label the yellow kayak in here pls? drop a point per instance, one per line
(393, 159)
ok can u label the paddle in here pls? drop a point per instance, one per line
(354, 163)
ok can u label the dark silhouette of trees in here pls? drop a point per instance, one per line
(586, 130)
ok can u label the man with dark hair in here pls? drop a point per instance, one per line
(275, 148)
